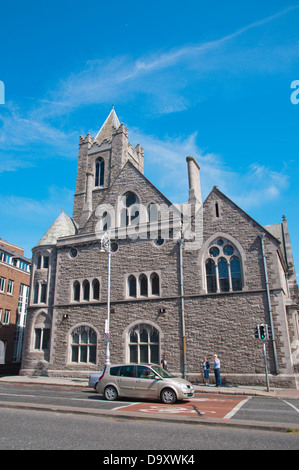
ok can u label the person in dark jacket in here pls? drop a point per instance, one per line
(206, 371)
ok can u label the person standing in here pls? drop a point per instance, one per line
(206, 371)
(217, 371)
(164, 362)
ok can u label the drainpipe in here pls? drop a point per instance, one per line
(180, 242)
(261, 235)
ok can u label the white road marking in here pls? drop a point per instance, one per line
(293, 406)
(236, 408)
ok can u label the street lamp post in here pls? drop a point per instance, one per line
(106, 248)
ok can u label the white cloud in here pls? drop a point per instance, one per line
(162, 78)
(248, 187)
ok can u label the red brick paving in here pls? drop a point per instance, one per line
(211, 406)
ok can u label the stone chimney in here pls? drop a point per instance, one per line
(194, 181)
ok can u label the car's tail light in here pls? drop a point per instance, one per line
(101, 376)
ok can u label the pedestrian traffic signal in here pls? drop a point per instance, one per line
(256, 332)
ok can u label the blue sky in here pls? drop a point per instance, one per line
(208, 79)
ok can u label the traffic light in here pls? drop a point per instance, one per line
(262, 331)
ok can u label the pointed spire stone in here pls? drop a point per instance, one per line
(108, 128)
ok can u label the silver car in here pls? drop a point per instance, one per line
(93, 379)
(142, 381)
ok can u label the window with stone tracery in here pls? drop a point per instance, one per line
(144, 344)
(223, 267)
(83, 345)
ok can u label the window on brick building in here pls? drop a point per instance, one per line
(2, 284)
(223, 267)
(99, 172)
(132, 286)
(143, 285)
(86, 288)
(155, 284)
(148, 285)
(6, 317)
(10, 285)
(95, 289)
(42, 338)
(144, 344)
(83, 345)
(76, 291)
(42, 332)
(43, 294)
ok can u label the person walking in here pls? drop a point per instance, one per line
(216, 366)
(206, 371)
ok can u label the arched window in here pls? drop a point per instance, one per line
(99, 172)
(76, 291)
(129, 213)
(132, 286)
(143, 285)
(144, 344)
(83, 345)
(95, 289)
(38, 262)
(85, 286)
(155, 284)
(42, 330)
(223, 267)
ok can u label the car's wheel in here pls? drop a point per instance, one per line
(110, 393)
(168, 396)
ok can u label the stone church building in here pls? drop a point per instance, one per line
(186, 280)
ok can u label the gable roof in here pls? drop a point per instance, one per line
(127, 165)
(261, 227)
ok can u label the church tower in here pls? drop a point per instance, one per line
(100, 161)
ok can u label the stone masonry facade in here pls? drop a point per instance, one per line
(167, 297)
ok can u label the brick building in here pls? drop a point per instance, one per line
(187, 280)
(14, 290)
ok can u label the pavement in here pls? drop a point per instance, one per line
(199, 389)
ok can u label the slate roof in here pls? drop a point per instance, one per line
(108, 128)
(63, 226)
